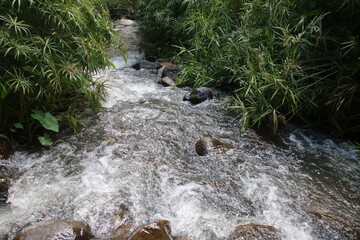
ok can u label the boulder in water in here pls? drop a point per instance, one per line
(255, 231)
(5, 148)
(166, 81)
(147, 65)
(199, 95)
(159, 230)
(206, 144)
(56, 230)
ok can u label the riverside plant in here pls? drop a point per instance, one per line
(48, 52)
(285, 59)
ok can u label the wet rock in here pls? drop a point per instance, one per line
(56, 230)
(170, 71)
(206, 144)
(147, 65)
(255, 231)
(159, 230)
(166, 81)
(346, 227)
(5, 180)
(199, 95)
(187, 96)
(123, 224)
(5, 148)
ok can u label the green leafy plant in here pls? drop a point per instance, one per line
(48, 52)
(285, 60)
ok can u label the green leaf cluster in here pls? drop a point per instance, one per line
(49, 51)
(286, 60)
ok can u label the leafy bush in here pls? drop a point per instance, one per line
(48, 51)
(121, 8)
(285, 59)
(160, 23)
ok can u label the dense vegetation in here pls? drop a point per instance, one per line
(285, 60)
(48, 52)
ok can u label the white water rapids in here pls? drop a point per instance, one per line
(140, 152)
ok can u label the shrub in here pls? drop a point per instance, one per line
(48, 52)
(160, 23)
(121, 8)
(286, 59)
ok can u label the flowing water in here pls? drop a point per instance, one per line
(140, 152)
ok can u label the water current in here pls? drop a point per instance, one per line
(140, 152)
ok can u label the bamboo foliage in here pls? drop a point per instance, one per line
(285, 59)
(48, 51)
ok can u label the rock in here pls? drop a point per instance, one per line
(199, 95)
(159, 230)
(56, 230)
(346, 226)
(144, 64)
(5, 180)
(206, 144)
(170, 71)
(5, 148)
(163, 60)
(255, 231)
(166, 64)
(166, 81)
(187, 96)
(123, 224)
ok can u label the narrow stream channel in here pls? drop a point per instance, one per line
(140, 152)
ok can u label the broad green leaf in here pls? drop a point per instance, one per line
(19, 126)
(45, 140)
(47, 120)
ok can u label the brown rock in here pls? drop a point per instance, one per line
(206, 144)
(123, 225)
(255, 231)
(166, 64)
(5, 148)
(159, 230)
(56, 230)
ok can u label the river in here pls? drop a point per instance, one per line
(140, 152)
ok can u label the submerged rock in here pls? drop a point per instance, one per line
(199, 95)
(206, 144)
(347, 227)
(147, 65)
(56, 230)
(166, 81)
(255, 231)
(5, 148)
(159, 230)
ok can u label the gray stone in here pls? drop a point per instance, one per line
(199, 95)
(170, 71)
(147, 65)
(166, 81)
